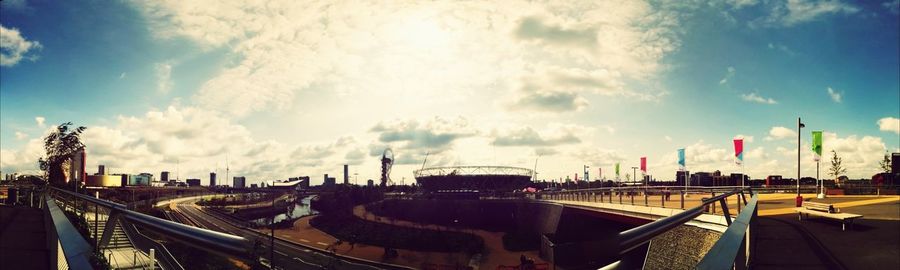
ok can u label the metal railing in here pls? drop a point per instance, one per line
(215, 241)
(730, 251)
(77, 251)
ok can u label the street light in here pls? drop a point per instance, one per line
(800, 126)
(634, 174)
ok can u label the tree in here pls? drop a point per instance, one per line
(60, 146)
(836, 169)
(885, 163)
(628, 177)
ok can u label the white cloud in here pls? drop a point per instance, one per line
(860, 155)
(434, 135)
(892, 6)
(163, 77)
(889, 124)
(778, 133)
(122, 76)
(39, 120)
(667, 138)
(793, 12)
(14, 47)
(390, 49)
(835, 95)
(747, 138)
(728, 75)
(781, 47)
(553, 135)
(16, 5)
(21, 136)
(755, 97)
(531, 97)
(739, 4)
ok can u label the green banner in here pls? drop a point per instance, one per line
(817, 143)
(617, 169)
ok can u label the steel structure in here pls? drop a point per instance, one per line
(387, 161)
(473, 171)
(473, 178)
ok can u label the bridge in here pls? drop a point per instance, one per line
(123, 236)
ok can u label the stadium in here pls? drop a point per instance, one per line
(473, 178)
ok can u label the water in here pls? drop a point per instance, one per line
(298, 209)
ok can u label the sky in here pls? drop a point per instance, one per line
(278, 89)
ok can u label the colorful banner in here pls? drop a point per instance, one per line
(617, 170)
(739, 151)
(817, 145)
(681, 159)
(644, 164)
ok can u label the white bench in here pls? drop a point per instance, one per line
(826, 211)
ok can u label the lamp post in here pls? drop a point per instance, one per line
(800, 126)
(634, 174)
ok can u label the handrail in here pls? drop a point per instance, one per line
(76, 250)
(638, 236)
(723, 253)
(227, 243)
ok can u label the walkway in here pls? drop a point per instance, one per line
(23, 238)
(787, 243)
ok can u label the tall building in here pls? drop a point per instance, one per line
(329, 181)
(142, 179)
(346, 175)
(194, 182)
(101, 170)
(212, 179)
(240, 182)
(77, 171)
(164, 176)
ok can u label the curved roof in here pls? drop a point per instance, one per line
(473, 170)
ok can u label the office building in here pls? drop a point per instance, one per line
(126, 179)
(77, 171)
(164, 176)
(212, 179)
(346, 175)
(142, 179)
(240, 182)
(329, 181)
(101, 170)
(193, 182)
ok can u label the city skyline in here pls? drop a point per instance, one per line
(288, 89)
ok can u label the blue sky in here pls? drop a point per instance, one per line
(287, 89)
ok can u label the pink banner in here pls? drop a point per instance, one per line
(644, 164)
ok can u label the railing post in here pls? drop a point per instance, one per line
(662, 198)
(152, 258)
(631, 195)
(727, 215)
(646, 200)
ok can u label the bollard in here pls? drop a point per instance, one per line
(682, 199)
(152, 258)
